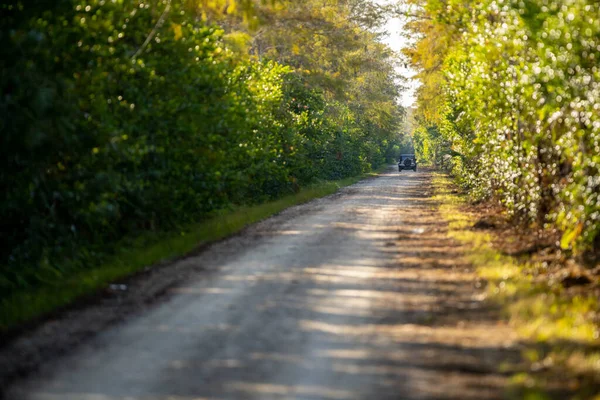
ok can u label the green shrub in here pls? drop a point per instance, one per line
(122, 117)
(520, 100)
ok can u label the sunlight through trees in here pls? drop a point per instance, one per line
(511, 90)
(120, 117)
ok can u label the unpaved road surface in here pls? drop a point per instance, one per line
(359, 295)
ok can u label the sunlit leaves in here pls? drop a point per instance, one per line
(119, 117)
(519, 97)
(177, 31)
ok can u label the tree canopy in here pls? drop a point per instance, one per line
(119, 117)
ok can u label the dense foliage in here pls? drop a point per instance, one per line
(121, 116)
(511, 91)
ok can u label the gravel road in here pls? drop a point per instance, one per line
(359, 295)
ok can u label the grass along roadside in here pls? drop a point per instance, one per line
(558, 327)
(150, 249)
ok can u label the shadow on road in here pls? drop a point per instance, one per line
(367, 300)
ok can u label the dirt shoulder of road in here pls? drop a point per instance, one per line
(549, 297)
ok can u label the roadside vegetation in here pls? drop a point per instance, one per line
(554, 311)
(509, 107)
(511, 100)
(126, 120)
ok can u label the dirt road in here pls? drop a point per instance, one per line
(359, 295)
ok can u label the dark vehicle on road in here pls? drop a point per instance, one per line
(407, 161)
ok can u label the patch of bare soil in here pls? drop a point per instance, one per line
(538, 247)
(458, 317)
(556, 370)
